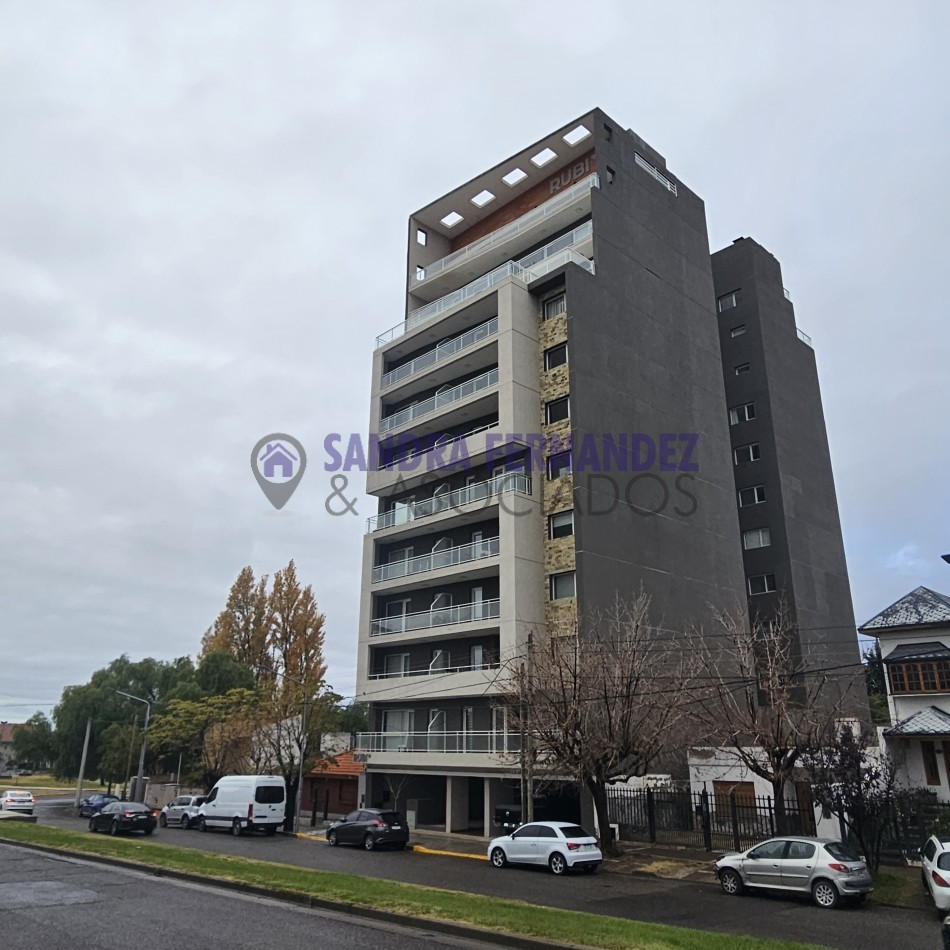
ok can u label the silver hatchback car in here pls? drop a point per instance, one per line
(829, 870)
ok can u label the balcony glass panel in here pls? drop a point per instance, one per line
(439, 671)
(436, 617)
(447, 557)
(441, 352)
(439, 401)
(439, 741)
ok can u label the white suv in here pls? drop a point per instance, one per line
(558, 844)
(935, 870)
(181, 811)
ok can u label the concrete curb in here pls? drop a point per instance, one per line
(497, 938)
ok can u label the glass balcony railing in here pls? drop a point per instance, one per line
(439, 401)
(528, 220)
(460, 498)
(437, 670)
(460, 741)
(539, 264)
(441, 352)
(448, 557)
(436, 617)
(804, 337)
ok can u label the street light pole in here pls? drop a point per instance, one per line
(148, 713)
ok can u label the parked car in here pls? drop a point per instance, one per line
(935, 870)
(244, 803)
(94, 804)
(181, 811)
(558, 844)
(16, 799)
(118, 817)
(370, 827)
(828, 870)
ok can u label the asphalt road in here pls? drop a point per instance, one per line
(681, 904)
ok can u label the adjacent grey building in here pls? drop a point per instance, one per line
(554, 431)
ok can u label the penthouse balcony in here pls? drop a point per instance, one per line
(439, 401)
(463, 265)
(436, 560)
(471, 613)
(563, 250)
(461, 498)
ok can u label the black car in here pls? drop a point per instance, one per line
(94, 804)
(371, 828)
(117, 817)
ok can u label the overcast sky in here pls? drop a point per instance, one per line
(202, 229)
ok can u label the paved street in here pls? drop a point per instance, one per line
(643, 898)
(61, 904)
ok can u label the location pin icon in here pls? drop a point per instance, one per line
(278, 462)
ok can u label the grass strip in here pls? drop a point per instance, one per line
(411, 900)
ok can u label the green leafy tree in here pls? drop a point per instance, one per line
(118, 746)
(876, 682)
(33, 742)
(219, 672)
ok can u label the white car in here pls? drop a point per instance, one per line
(560, 845)
(935, 870)
(16, 799)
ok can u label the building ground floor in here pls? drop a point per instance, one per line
(462, 802)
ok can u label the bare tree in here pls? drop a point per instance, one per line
(762, 703)
(600, 699)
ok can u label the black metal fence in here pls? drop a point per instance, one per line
(700, 820)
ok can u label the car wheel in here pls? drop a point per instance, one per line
(331, 839)
(162, 820)
(557, 863)
(730, 882)
(92, 825)
(148, 831)
(202, 825)
(825, 894)
(498, 858)
(114, 828)
(369, 843)
(185, 823)
(237, 829)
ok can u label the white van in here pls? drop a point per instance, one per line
(244, 803)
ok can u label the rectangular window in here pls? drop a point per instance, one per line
(396, 664)
(610, 175)
(737, 331)
(756, 538)
(761, 584)
(421, 237)
(929, 752)
(744, 413)
(746, 453)
(420, 273)
(478, 657)
(561, 525)
(727, 302)
(751, 496)
(440, 660)
(742, 368)
(554, 306)
(556, 356)
(559, 464)
(562, 585)
(923, 676)
(557, 410)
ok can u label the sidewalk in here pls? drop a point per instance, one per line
(678, 864)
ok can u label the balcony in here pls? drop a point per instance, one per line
(441, 352)
(547, 218)
(804, 337)
(428, 671)
(460, 498)
(436, 560)
(436, 617)
(452, 742)
(536, 264)
(438, 401)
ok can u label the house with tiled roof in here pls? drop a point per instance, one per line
(332, 787)
(914, 634)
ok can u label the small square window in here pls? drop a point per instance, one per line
(561, 525)
(727, 302)
(746, 453)
(559, 464)
(562, 585)
(421, 237)
(482, 198)
(737, 331)
(513, 177)
(742, 368)
(544, 157)
(556, 356)
(751, 496)
(554, 306)
(557, 410)
(452, 219)
(756, 538)
(761, 584)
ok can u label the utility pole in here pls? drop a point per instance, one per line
(523, 744)
(303, 747)
(529, 752)
(128, 761)
(139, 781)
(82, 763)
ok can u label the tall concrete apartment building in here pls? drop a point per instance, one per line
(554, 431)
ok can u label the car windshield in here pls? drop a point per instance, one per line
(842, 852)
(135, 806)
(13, 794)
(575, 831)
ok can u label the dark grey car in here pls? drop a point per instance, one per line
(371, 828)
